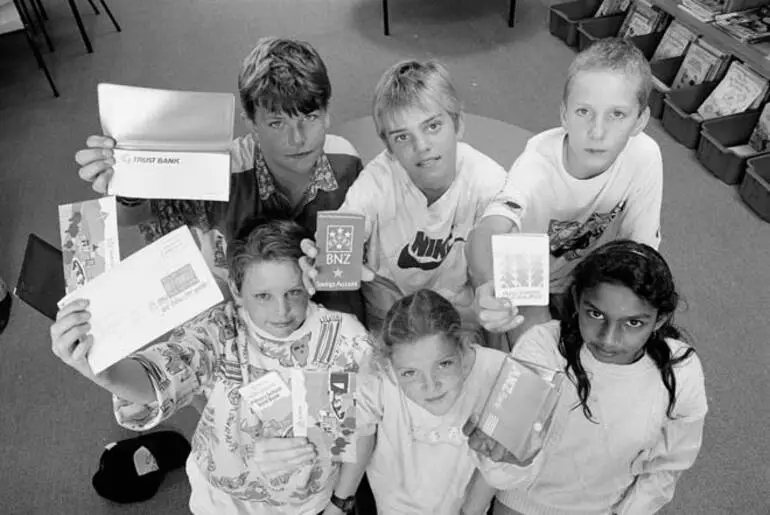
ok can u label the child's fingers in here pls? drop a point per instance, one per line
(82, 347)
(497, 453)
(308, 248)
(493, 303)
(64, 344)
(102, 182)
(367, 274)
(308, 274)
(99, 141)
(470, 426)
(71, 307)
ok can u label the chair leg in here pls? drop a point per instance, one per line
(93, 6)
(511, 12)
(81, 28)
(39, 58)
(39, 18)
(385, 20)
(109, 13)
(42, 9)
(26, 19)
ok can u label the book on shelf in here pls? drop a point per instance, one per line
(723, 60)
(610, 7)
(738, 91)
(703, 10)
(674, 42)
(748, 26)
(642, 18)
(760, 136)
(702, 62)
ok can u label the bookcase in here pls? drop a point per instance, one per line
(754, 58)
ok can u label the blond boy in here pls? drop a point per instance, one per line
(423, 194)
(596, 178)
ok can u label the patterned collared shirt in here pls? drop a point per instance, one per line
(322, 180)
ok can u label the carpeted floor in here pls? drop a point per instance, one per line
(53, 423)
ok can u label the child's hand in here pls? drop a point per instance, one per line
(96, 162)
(495, 315)
(70, 340)
(487, 446)
(309, 270)
(278, 455)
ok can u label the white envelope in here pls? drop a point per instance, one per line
(146, 295)
(170, 144)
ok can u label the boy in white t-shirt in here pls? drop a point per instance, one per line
(595, 179)
(423, 194)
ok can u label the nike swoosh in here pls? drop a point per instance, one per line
(406, 260)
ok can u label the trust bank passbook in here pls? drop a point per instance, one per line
(169, 144)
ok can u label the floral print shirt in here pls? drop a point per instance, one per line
(217, 353)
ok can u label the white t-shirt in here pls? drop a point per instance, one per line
(624, 202)
(627, 461)
(422, 464)
(413, 245)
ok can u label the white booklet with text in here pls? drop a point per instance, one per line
(146, 295)
(169, 144)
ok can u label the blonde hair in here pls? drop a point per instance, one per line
(422, 314)
(618, 55)
(410, 84)
(283, 76)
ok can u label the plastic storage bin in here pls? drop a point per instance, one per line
(755, 188)
(720, 133)
(563, 19)
(678, 109)
(647, 43)
(664, 70)
(594, 29)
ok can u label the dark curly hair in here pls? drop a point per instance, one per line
(643, 270)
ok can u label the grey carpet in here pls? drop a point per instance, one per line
(53, 423)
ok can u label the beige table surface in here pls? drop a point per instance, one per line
(501, 141)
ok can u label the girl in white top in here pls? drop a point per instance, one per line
(633, 422)
(432, 378)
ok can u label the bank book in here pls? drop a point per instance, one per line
(149, 293)
(324, 411)
(41, 280)
(89, 240)
(340, 241)
(169, 144)
(316, 404)
(519, 411)
(520, 266)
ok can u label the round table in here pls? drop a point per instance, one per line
(501, 141)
